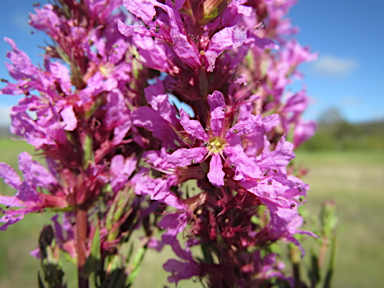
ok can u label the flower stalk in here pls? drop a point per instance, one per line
(81, 245)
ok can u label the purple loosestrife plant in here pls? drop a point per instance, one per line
(82, 98)
(120, 156)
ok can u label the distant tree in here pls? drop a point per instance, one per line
(334, 132)
(330, 116)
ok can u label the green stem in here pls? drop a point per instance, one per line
(295, 260)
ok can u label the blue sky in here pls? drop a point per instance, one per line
(349, 73)
(348, 35)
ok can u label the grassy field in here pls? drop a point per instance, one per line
(353, 180)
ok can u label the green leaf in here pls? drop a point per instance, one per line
(314, 273)
(88, 151)
(62, 54)
(332, 262)
(93, 108)
(40, 281)
(135, 266)
(93, 262)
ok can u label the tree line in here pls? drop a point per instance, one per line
(334, 133)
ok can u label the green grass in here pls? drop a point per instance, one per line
(353, 180)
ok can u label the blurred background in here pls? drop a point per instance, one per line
(345, 159)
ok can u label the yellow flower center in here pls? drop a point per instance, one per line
(105, 70)
(215, 145)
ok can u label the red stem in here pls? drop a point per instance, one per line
(81, 246)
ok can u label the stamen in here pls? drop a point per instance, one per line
(216, 145)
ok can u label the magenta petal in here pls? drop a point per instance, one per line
(27, 194)
(117, 175)
(184, 157)
(121, 170)
(129, 166)
(159, 101)
(297, 102)
(126, 30)
(21, 62)
(174, 224)
(144, 185)
(247, 126)
(155, 244)
(9, 221)
(179, 4)
(151, 120)
(35, 173)
(35, 253)
(141, 9)
(163, 193)
(193, 127)
(244, 166)
(211, 57)
(11, 201)
(226, 39)
(181, 270)
(9, 175)
(61, 73)
(216, 174)
(283, 153)
(265, 43)
(120, 131)
(216, 99)
(153, 54)
(270, 122)
(158, 159)
(303, 131)
(69, 118)
(183, 48)
(217, 118)
(217, 104)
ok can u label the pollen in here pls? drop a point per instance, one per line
(216, 145)
(105, 70)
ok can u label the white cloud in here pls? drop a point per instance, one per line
(5, 118)
(329, 65)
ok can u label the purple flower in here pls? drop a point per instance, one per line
(170, 29)
(121, 170)
(303, 131)
(188, 267)
(220, 144)
(161, 118)
(28, 198)
(160, 188)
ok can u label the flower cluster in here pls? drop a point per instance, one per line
(120, 155)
